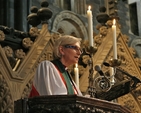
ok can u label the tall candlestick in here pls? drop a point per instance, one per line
(90, 26)
(114, 40)
(76, 72)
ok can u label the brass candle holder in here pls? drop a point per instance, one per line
(91, 50)
(114, 62)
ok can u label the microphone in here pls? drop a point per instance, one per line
(98, 69)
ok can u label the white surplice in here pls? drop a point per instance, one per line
(47, 80)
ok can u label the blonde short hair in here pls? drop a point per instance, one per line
(64, 40)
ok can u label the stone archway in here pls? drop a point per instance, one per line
(70, 23)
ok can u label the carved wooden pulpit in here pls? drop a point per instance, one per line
(67, 104)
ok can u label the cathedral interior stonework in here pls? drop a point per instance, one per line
(28, 30)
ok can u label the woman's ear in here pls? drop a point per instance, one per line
(61, 50)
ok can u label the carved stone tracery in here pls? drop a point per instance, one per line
(6, 102)
(2, 35)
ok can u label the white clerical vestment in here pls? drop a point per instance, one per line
(47, 81)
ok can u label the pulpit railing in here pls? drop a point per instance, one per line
(67, 104)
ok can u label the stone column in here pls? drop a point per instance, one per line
(72, 5)
(21, 12)
(4, 12)
(62, 4)
(139, 16)
(80, 7)
(83, 7)
(11, 13)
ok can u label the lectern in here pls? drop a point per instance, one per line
(67, 104)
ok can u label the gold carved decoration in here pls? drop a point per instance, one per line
(6, 103)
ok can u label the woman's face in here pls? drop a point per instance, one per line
(70, 54)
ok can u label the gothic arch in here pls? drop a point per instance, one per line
(67, 18)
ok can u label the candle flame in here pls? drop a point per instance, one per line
(114, 22)
(89, 7)
(76, 65)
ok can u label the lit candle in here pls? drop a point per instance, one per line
(76, 72)
(90, 26)
(114, 40)
(112, 79)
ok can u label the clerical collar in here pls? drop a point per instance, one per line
(59, 64)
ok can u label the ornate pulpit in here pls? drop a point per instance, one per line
(67, 104)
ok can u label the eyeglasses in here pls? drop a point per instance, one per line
(74, 47)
